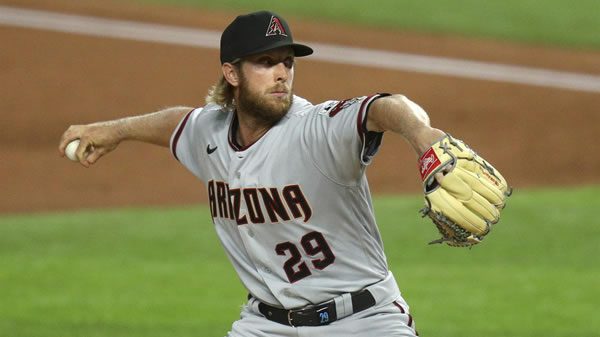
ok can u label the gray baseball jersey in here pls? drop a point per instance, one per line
(293, 210)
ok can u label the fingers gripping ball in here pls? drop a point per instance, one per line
(71, 150)
(464, 194)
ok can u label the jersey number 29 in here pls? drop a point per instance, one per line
(313, 244)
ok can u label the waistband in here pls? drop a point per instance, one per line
(337, 308)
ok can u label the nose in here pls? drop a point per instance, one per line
(282, 72)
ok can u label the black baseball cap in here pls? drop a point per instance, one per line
(255, 33)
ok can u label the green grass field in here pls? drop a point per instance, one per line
(162, 272)
(557, 22)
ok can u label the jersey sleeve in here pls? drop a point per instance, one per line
(182, 142)
(345, 146)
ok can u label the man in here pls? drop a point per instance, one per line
(286, 184)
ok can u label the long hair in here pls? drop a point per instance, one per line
(222, 93)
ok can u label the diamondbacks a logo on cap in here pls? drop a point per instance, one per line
(275, 27)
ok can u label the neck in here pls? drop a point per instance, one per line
(250, 129)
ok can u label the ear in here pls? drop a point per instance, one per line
(230, 72)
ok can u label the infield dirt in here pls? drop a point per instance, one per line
(536, 136)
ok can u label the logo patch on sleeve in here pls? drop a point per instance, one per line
(341, 105)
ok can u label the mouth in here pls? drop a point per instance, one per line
(280, 92)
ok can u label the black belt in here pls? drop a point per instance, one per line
(315, 315)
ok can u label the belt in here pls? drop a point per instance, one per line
(317, 314)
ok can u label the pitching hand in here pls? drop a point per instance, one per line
(95, 139)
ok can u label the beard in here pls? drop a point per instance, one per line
(265, 108)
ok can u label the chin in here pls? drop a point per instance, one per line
(266, 108)
(276, 112)
(280, 106)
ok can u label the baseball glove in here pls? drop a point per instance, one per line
(463, 193)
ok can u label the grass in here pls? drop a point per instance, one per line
(159, 272)
(118, 273)
(556, 22)
(538, 267)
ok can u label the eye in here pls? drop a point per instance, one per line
(289, 62)
(266, 61)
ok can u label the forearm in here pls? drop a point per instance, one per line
(100, 138)
(155, 128)
(398, 114)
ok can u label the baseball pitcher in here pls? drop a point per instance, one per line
(287, 189)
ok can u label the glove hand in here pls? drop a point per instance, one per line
(464, 194)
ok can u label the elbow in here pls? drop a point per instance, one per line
(417, 111)
(413, 108)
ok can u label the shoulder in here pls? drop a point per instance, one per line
(209, 109)
(302, 108)
(332, 108)
(210, 114)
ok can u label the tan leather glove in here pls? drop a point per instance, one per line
(464, 194)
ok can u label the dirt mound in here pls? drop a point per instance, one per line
(536, 136)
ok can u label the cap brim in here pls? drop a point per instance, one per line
(299, 49)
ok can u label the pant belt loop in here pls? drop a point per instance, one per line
(343, 305)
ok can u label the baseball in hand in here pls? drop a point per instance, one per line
(71, 150)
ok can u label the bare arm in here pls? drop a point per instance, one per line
(398, 114)
(100, 138)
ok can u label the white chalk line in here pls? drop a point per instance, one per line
(193, 37)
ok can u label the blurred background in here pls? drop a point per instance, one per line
(126, 247)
